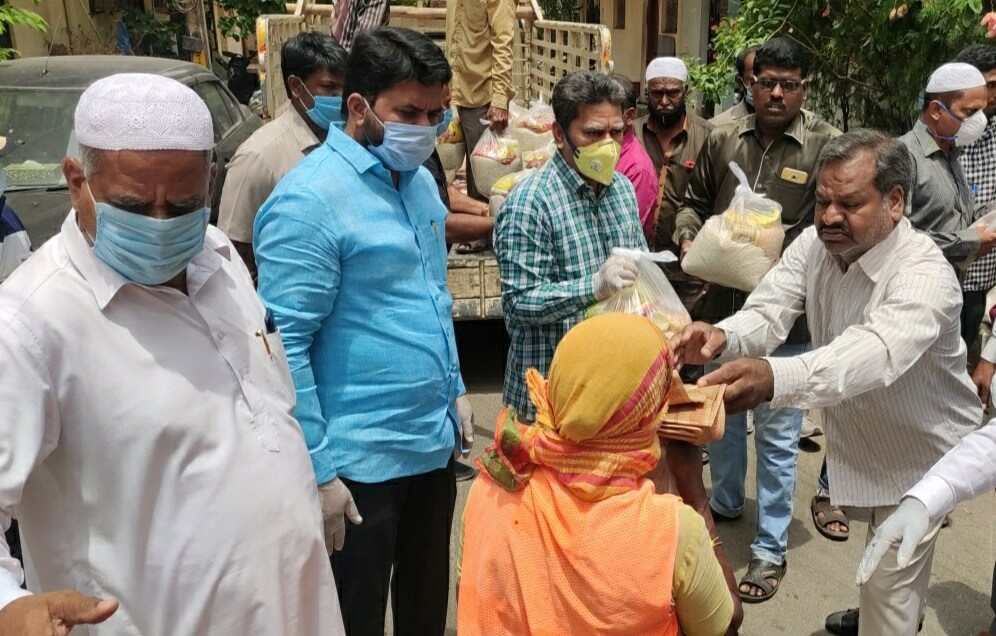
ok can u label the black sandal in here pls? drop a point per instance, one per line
(758, 573)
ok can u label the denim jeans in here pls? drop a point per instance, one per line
(823, 485)
(776, 439)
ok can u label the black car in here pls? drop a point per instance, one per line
(38, 97)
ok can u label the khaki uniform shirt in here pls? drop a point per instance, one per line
(730, 115)
(479, 39)
(259, 163)
(783, 172)
(674, 167)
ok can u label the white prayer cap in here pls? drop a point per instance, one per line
(667, 67)
(139, 111)
(955, 76)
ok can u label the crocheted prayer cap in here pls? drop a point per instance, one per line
(955, 76)
(139, 111)
(667, 67)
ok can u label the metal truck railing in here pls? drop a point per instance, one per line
(545, 50)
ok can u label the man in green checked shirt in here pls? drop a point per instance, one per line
(555, 233)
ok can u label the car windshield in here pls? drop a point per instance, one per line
(43, 119)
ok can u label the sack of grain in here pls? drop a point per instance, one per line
(501, 189)
(737, 248)
(533, 128)
(452, 149)
(494, 157)
(651, 295)
(536, 158)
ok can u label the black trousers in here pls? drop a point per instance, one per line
(972, 310)
(403, 545)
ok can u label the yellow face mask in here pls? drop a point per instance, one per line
(597, 161)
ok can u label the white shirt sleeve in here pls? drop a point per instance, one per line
(916, 307)
(989, 351)
(966, 471)
(29, 431)
(771, 310)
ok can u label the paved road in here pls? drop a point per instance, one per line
(820, 578)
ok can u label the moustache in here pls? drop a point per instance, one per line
(834, 229)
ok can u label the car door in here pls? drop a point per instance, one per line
(232, 126)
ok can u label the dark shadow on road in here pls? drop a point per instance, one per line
(738, 535)
(960, 609)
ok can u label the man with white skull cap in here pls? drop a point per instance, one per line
(148, 445)
(942, 205)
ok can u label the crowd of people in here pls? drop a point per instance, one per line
(256, 427)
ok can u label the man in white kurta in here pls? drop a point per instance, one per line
(147, 443)
(888, 363)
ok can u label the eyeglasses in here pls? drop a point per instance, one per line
(673, 94)
(788, 86)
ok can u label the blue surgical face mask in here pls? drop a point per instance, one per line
(146, 250)
(405, 146)
(748, 98)
(443, 125)
(326, 111)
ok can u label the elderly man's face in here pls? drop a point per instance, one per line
(778, 96)
(160, 184)
(665, 98)
(594, 123)
(851, 215)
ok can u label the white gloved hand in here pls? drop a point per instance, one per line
(337, 504)
(907, 526)
(619, 271)
(466, 413)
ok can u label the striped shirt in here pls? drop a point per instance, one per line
(551, 237)
(888, 364)
(978, 161)
(354, 16)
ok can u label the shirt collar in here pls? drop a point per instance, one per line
(299, 130)
(874, 261)
(105, 282)
(928, 145)
(796, 130)
(361, 159)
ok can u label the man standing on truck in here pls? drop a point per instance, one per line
(314, 68)
(479, 36)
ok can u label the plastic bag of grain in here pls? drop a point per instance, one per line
(651, 295)
(495, 156)
(452, 148)
(533, 128)
(501, 189)
(536, 158)
(738, 247)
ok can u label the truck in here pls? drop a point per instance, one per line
(544, 52)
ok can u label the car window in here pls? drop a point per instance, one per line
(41, 118)
(215, 98)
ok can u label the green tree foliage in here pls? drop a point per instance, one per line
(13, 16)
(870, 58)
(242, 23)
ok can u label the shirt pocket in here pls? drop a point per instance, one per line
(791, 196)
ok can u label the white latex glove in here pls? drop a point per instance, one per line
(466, 413)
(337, 504)
(617, 272)
(906, 526)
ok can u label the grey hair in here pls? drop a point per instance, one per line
(90, 158)
(893, 164)
(583, 88)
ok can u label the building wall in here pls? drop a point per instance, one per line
(69, 25)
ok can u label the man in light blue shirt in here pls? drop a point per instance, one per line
(352, 262)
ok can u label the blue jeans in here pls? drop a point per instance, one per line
(823, 485)
(776, 436)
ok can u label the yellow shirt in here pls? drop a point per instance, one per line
(479, 41)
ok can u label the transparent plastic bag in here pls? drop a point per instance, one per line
(532, 127)
(651, 295)
(502, 188)
(537, 158)
(495, 156)
(738, 247)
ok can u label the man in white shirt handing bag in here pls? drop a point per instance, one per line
(887, 365)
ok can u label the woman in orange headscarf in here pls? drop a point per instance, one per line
(563, 534)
